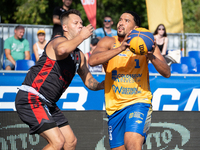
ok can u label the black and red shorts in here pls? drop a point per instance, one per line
(38, 114)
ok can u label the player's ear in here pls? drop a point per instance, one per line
(136, 27)
(65, 28)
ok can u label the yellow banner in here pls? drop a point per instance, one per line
(167, 12)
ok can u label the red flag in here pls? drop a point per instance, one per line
(90, 10)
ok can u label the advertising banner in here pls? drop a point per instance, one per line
(169, 131)
(90, 8)
(177, 93)
(167, 12)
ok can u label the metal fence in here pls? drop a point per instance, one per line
(7, 30)
(187, 41)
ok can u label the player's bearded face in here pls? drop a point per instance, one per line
(125, 24)
(121, 31)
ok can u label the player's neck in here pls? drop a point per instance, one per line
(120, 39)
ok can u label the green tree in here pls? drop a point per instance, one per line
(191, 16)
(40, 11)
(7, 10)
(115, 8)
(31, 12)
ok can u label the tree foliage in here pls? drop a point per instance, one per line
(40, 11)
(191, 16)
(31, 12)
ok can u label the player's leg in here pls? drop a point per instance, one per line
(38, 116)
(70, 138)
(133, 141)
(54, 138)
(116, 129)
(63, 124)
(138, 120)
(131, 144)
(119, 148)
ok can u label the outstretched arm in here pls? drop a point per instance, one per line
(87, 77)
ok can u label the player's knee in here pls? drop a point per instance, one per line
(59, 143)
(72, 143)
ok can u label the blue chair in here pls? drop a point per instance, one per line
(24, 64)
(179, 68)
(33, 57)
(191, 63)
(152, 69)
(198, 68)
(195, 54)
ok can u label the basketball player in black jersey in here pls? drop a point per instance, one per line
(49, 78)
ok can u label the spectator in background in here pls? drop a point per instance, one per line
(16, 48)
(38, 47)
(106, 30)
(161, 38)
(57, 12)
(93, 45)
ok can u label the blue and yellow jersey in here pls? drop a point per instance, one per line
(126, 81)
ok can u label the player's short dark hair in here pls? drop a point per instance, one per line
(19, 27)
(136, 17)
(66, 14)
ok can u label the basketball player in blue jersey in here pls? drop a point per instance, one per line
(127, 91)
(49, 78)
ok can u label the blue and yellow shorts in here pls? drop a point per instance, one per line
(133, 118)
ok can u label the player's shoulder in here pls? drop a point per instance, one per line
(106, 42)
(107, 39)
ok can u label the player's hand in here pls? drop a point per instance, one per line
(150, 53)
(87, 31)
(124, 44)
(101, 85)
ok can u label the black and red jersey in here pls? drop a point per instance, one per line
(51, 77)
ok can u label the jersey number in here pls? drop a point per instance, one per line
(137, 63)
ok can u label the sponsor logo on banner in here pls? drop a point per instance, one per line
(163, 139)
(165, 134)
(175, 103)
(20, 139)
(176, 100)
(9, 104)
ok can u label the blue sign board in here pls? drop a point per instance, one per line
(177, 93)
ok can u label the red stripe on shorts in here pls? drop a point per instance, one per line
(34, 101)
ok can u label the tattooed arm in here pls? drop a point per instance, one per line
(87, 77)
